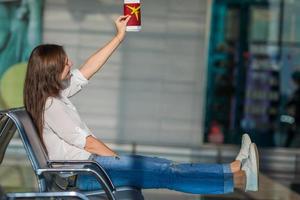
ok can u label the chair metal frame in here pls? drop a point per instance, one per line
(39, 195)
(45, 168)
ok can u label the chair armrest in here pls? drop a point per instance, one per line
(75, 162)
(108, 190)
(27, 195)
(86, 163)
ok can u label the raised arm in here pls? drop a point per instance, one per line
(99, 58)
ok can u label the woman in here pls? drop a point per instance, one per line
(49, 84)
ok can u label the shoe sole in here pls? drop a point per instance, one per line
(255, 183)
(257, 161)
(254, 173)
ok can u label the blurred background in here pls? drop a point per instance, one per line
(199, 75)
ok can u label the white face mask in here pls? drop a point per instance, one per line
(66, 83)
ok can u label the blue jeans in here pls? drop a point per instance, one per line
(151, 172)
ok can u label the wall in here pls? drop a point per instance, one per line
(152, 88)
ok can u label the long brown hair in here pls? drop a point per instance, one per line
(43, 80)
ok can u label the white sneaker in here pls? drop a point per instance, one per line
(245, 146)
(251, 168)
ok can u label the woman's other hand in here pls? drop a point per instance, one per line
(96, 146)
(121, 23)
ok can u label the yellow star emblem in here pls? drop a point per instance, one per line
(134, 11)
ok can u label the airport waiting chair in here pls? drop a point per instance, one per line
(50, 172)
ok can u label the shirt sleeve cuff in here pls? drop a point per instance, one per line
(82, 135)
(79, 77)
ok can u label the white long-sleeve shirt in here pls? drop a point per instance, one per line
(64, 132)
